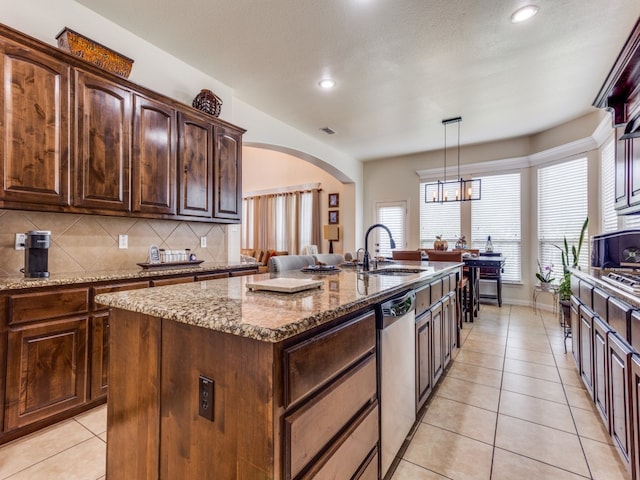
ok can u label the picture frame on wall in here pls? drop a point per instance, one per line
(334, 200)
(334, 217)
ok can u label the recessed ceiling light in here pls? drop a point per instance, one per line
(524, 13)
(327, 83)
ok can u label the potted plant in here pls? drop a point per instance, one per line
(545, 275)
(564, 288)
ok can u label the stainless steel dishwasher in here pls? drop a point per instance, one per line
(397, 367)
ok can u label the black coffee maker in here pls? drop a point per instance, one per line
(36, 254)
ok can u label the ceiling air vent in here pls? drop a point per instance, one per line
(328, 131)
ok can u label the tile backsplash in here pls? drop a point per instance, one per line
(85, 243)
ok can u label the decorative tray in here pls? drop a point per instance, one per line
(285, 285)
(169, 265)
(320, 269)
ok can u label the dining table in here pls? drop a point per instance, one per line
(493, 265)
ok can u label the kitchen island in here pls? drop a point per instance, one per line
(213, 380)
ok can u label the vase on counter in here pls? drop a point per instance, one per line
(208, 102)
(546, 286)
(440, 244)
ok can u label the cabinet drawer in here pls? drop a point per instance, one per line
(31, 307)
(436, 291)
(619, 317)
(114, 288)
(211, 276)
(334, 409)
(600, 302)
(353, 447)
(240, 273)
(423, 299)
(586, 294)
(313, 362)
(171, 281)
(369, 470)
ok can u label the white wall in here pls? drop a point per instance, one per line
(157, 70)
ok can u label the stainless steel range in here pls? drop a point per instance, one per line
(626, 281)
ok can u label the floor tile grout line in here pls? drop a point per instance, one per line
(542, 462)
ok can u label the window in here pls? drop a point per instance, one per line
(438, 219)
(394, 216)
(562, 209)
(497, 215)
(608, 214)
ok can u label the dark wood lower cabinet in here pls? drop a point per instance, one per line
(99, 379)
(424, 381)
(575, 330)
(47, 370)
(586, 348)
(601, 332)
(437, 354)
(619, 398)
(635, 410)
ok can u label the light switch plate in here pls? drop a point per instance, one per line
(123, 242)
(20, 239)
(203, 242)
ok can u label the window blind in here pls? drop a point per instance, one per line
(497, 214)
(562, 209)
(438, 219)
(608, 215)
(393, 215)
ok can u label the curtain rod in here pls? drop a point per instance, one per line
(290, 189)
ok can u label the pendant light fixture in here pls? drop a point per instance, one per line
(458, 190)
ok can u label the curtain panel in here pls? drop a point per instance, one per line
(282, 221)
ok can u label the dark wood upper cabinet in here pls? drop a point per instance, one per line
(619, 94)
(102, 164)
(153, 165)
(34, 133)
(74, 138)
(228, 187)
(195, 164)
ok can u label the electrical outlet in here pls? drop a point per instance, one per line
(203, 242)
(20, 239)
(205, 397)
(123, 242)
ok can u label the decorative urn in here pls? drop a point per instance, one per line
(208, 102)
(440, 244)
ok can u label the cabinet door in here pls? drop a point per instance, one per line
(437, 354)
(153, 166)
(619, 397)
(102, 157)
(195, 166)
(633, 158)
(47, 368)
(621, 172)
(586, 348)
(99, 379)
(34, 138)
(635, 409)
(453, 321)
(600, 369)
(228, 174)
(575, 330)
(423, 359)
(446, 331)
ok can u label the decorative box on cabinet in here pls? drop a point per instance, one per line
(34, 131)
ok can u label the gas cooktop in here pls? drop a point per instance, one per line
(627, 281)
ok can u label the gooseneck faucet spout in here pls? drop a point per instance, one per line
(365, 259)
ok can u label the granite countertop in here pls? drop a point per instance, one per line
(19, 281)
(593, 276)
(227, 305)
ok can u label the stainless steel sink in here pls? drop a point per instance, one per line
(396, 271)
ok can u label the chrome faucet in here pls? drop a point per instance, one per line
(365, 259)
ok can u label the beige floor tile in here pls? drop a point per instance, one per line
(482, 347)
(590, 425)
(579, 397)
(480, 359)
(450, 454)
(564, 360)
(534, 387)
(537, 410)
(528, 343)
(34, 448)
(95, 420)
(85, 461)
(543, 372)
(544, 358)
(603, 461)
(467, 420)
(487, 338)
(510, 466)
(570, 376)
(541, 443)
(409, 471)
(470, 393)
(473, 373)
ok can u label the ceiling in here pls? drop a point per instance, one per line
(401, 66)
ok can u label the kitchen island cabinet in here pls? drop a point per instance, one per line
(293, 377)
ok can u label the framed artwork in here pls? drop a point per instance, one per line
(333, 217)
(334, 200)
